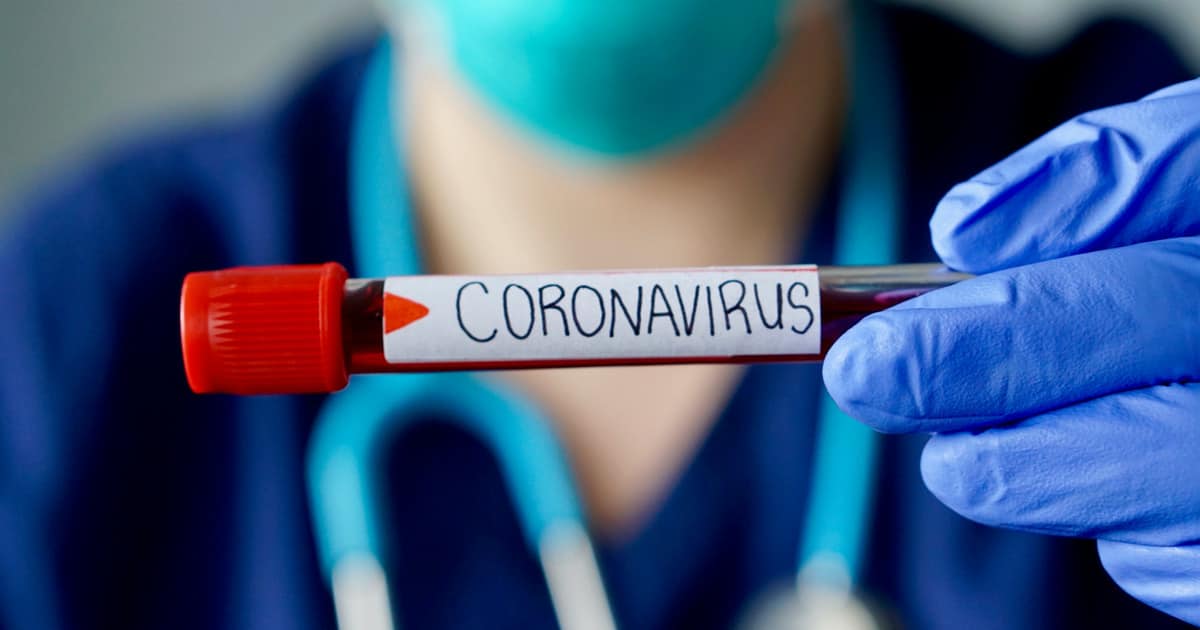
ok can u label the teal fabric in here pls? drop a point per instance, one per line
(612, 77)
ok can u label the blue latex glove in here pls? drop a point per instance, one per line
(1063, 385)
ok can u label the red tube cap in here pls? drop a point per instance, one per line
(264, 330)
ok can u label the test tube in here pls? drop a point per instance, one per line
(306, 328)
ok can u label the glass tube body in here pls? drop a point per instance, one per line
(848, 294)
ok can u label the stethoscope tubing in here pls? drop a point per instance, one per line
(345, 481)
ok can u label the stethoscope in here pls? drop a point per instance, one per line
(345, 467)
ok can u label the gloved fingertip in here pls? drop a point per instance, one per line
(958, 470)
(957, 226)
(860, 374)
(1161, 576)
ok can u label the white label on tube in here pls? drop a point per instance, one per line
(618, 315)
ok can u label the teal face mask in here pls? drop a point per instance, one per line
(616, 77)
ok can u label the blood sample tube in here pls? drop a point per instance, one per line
(306, 328)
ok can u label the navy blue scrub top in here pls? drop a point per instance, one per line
(126, 501)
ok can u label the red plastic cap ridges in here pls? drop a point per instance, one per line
(264, 330)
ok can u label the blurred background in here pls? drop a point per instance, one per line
(76, 73)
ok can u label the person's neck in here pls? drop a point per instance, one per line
(492, 200)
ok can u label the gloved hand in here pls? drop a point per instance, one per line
(1063, 387)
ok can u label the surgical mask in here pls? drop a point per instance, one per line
(614, 77)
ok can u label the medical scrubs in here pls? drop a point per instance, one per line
(128, 502)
